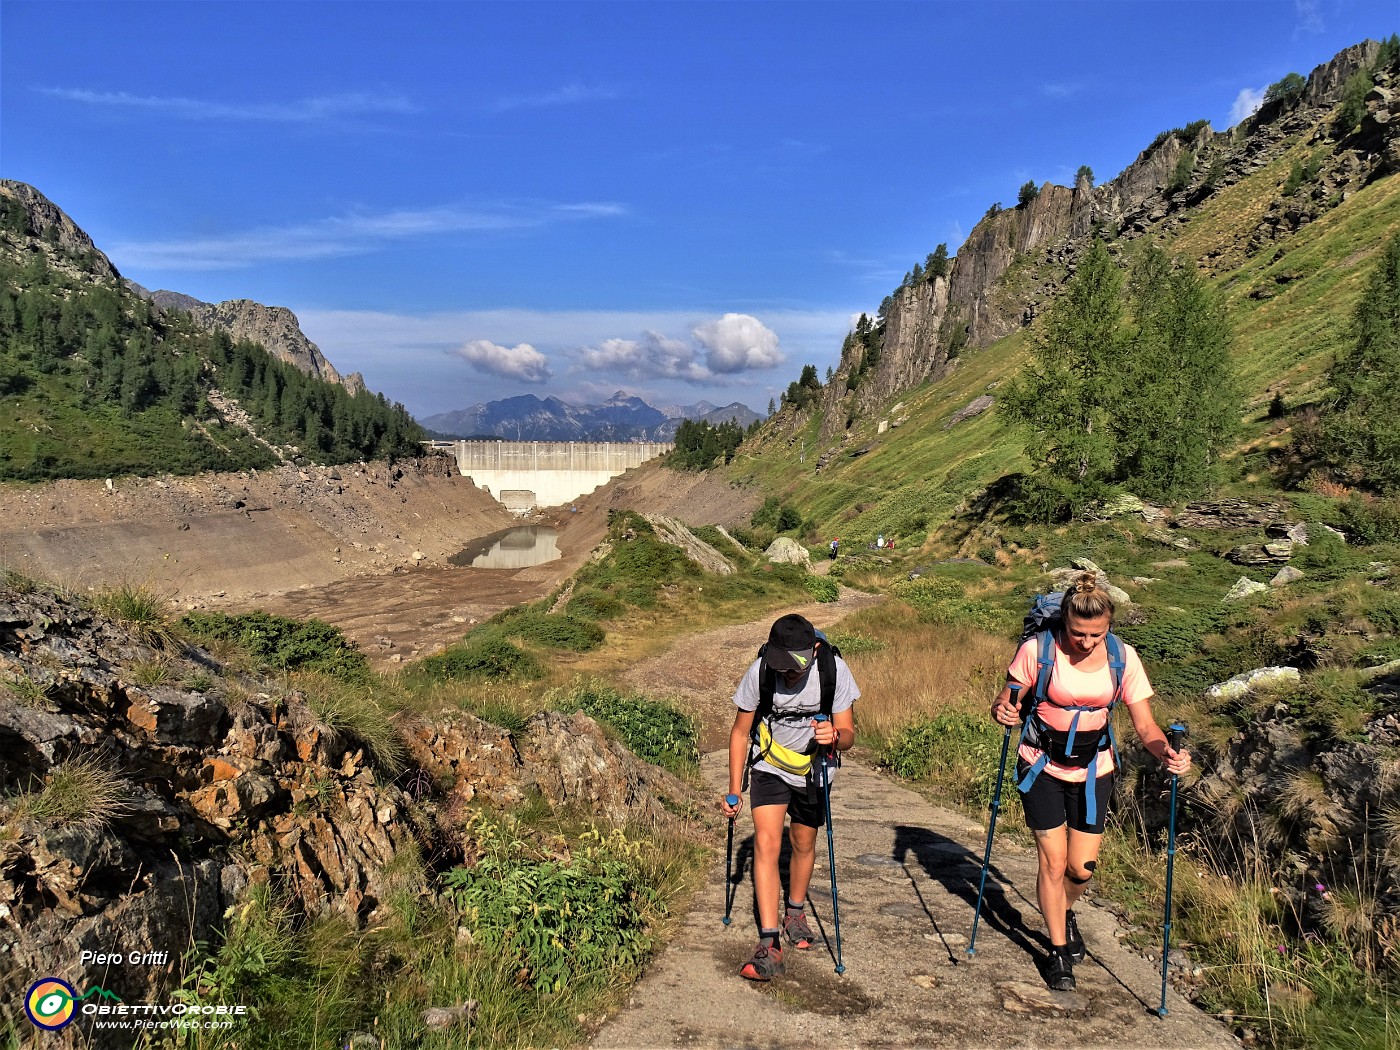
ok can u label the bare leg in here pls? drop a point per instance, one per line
(1050, 883)
(767, 845)
(1081, 859)
(804, 854)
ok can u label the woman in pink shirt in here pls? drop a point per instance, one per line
(1068, 734)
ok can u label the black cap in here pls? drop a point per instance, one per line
(792, 642)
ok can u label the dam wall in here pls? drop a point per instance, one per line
(524, 475)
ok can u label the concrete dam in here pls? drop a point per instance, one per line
(524, 475)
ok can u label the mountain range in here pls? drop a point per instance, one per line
(619, 418)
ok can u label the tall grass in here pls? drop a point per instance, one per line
(80, 793)
(139, 607)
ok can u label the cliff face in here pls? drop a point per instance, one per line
(927, 323)
(275, 327)
(65, 245)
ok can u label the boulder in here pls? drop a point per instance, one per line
(1243, 589)
(787, 551)
(1260, 679)
(1286, 575)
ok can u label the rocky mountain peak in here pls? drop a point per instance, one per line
(275, 327)
(988, 294)
(29, 215)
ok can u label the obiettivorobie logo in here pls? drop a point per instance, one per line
(51, 1003)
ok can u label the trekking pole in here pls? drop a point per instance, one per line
(831, 859)
(1178, 737)
(991, 828)
(732, 800)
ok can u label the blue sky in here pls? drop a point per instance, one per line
(687, 201)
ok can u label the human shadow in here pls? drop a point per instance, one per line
(958, 870)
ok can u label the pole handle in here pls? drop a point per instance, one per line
(1178, 735)
(732, 800)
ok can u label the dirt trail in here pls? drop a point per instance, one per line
(907, 874)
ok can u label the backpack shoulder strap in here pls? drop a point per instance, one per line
(826, 675)
(1117, 663)
(767, 685)
(1044, 667)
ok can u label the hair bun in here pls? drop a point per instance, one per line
(1087, 583)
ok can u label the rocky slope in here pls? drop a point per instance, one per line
(133, 816)
(64, 245)
(1015, 258)
(275, 327)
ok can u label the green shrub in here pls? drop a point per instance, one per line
(575, 919)
(821, 588)
(1325, 556)
(958, 751)
(851, 644)
(284, 644)
(494, 660)
(1371, 520)
(592, 604)
(556, 631)
(943, 601)
(653, 730)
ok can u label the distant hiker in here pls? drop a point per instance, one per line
(1071, 673)
(774, 742)
(880, 541)
(835, 547)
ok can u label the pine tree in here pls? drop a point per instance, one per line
(1070, 395)
(1359, 435)
(1180, 403)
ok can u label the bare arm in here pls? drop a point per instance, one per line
(1155, 740)
(738, 759)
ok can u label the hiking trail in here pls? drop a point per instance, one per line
(907, 873)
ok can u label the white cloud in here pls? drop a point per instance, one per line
(410, 357)
(1246, 103)
(1309, 16)
(296, 111)
(653, 356)
(521, 361)
(354, 234)
(737, 343)
(568, 95)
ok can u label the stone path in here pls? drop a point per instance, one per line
(907, 872)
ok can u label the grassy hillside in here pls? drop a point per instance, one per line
(95, 382)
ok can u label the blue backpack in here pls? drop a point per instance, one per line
(1064, 747)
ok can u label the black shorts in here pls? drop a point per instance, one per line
(1051, 802)
(806, 806)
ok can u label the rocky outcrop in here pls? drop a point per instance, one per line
(1014, 260)
(64, 244)
(143, 790)
(275, 327)
(1280, 796)
(696, 549)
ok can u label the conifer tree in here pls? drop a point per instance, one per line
(1359, 435)
(1180, 403)
(1071, 393)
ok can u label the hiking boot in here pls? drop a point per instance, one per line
(1074, 941)
(767, 963)
(799, 934)
(1059, 970)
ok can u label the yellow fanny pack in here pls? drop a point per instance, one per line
(784, 758)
